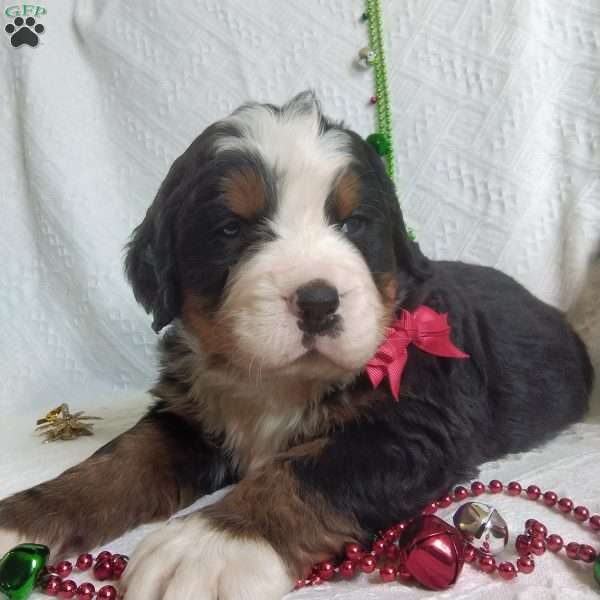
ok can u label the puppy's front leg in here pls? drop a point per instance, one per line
(160, 465)
(256, 541)
(252, 545)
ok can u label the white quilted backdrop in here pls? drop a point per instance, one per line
(497, 121)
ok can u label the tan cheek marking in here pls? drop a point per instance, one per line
(302, 528)
(346, 196)
(244, 193)
(213, 333)
(388, 288)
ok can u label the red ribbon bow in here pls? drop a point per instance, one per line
(426, 329)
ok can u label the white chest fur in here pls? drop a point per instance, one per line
(256, 419)
(260, 421)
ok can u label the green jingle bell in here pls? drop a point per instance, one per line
(597, 570)
(380, 142)
(20, 569)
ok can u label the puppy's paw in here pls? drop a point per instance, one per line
(188, 560)
(9, 539)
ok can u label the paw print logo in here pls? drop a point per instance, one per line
(24, 31)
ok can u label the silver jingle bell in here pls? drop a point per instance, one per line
(366, 56)
(482, 526)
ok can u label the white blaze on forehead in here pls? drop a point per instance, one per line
(304, 160)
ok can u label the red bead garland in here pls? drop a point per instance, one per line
(533, 492)
(107, 592)
(477, 488)
(507, 570)
(565, 505)
(587, 553)
(103, 570)
(496, 486)
(539, 530)
(487, 563)
(51, 585)
(386, 556)
(572, 550)
(388, 573)
(347, 569)
(106, 566)
(460, 493)
(84, 562)
(86, 591)
(554, 543)
(63, 568)
(514, 488)
(67, 589)
(525, 564)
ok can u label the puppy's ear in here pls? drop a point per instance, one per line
(150, 262)
(408, 254)
(304, 102)
(150, 255)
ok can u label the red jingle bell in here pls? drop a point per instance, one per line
(433, 552)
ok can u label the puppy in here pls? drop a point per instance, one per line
(276, 253)
(584, 314)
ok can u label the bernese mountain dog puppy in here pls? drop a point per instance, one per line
(276, 254)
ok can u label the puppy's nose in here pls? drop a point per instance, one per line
(316, 304)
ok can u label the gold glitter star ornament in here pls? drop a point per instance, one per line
(61, 424)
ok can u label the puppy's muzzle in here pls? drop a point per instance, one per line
(316, 304)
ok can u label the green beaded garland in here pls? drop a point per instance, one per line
(380, 142)
(383, 147)
(20, 569)
(597, 570)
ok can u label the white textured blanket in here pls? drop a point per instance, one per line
(497, 120)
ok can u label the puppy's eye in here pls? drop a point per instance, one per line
(231, 229)
(353, 225)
